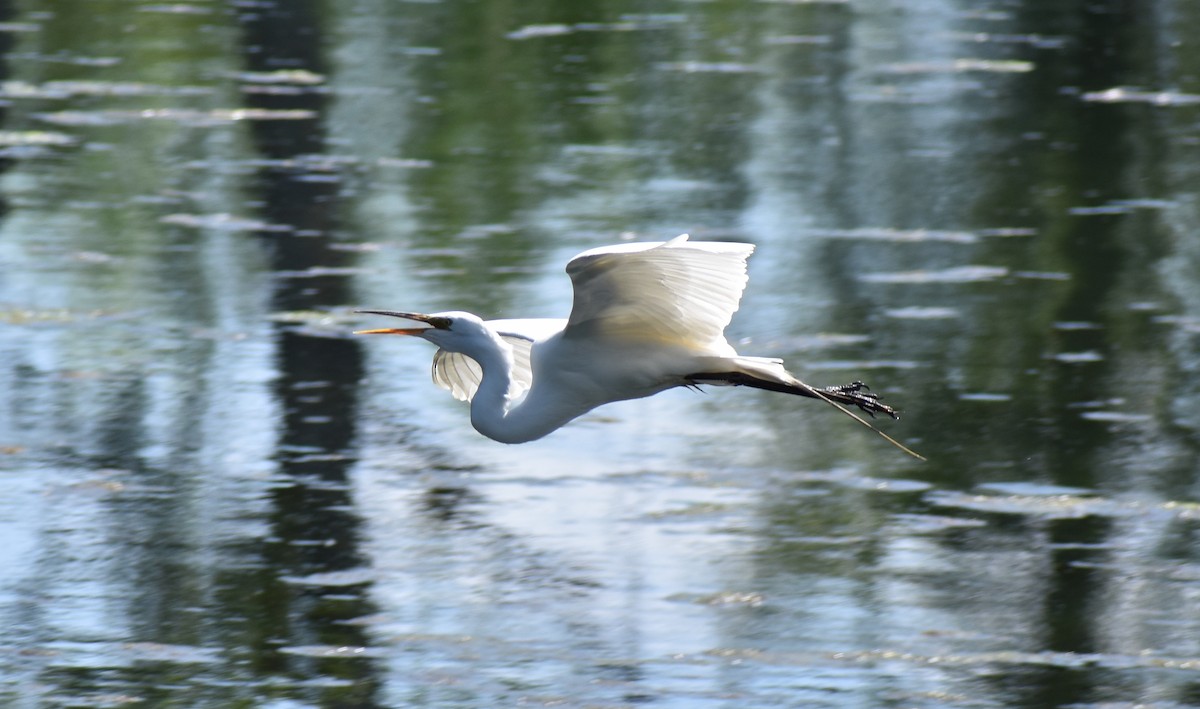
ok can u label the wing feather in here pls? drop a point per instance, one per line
(675, 291)
(460, 375)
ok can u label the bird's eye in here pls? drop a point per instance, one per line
(440, 323)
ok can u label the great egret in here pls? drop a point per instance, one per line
(646, 317)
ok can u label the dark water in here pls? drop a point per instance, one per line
(214, 496)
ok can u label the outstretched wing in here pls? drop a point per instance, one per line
(460, 375)
(675, 291)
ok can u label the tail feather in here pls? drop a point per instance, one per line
(770, 374)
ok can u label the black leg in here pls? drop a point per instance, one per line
(859, 394)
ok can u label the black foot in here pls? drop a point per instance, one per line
(859, 394)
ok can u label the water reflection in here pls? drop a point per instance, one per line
(313, 543)
(215, 496)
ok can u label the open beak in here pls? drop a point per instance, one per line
(430, 320)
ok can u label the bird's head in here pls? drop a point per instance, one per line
(453, 331)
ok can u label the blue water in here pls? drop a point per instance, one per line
(216, 496)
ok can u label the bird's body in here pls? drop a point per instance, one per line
(594, 373)
(646, 317)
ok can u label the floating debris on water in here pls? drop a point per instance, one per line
(366, 621)
(321, 272)
(1008, 232)
(1070, 660)
(798, 39)
(1065, 506)
(1115, 417)
(404, 163)
(1043, 506)
(956, 274)
(889, 234)
(35, 138)
(1100, 210)
(125, 654)
(333, 651)
(804, 2)
(1033, 489)
(656, 18)
(217, 116)
(916, 312)
(123, 88)
(1036, 41)
(347, 577)
(1096, 404)
(65, 58)
(534, 31)
(1078, 357)
(957, 66)
(628, 23)
(1121, 206)
(1042, 275)
(1145, 203)
(984, 14)
(301, 77)
(177, 9)
(27, 90)
(485, 231)
(223, 222)
(695, 67)
(304, 163)
(1122, 94)
(884, 484)
(722, 598)
(1144, 306)
(604, 149)
(914, 523)
(16, 315)
(984, 396)
(905, 96)
(67, 89)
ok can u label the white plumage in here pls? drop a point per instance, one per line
(645, 317)
(676, 291)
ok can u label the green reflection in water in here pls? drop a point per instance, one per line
(218, 499)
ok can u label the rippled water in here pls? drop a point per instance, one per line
(214, 496)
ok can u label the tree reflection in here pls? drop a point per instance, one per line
(989, 214)
(314, 527)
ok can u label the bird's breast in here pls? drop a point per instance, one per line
(601, 371)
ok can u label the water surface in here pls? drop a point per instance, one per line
(215, 496)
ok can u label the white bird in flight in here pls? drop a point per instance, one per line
(646, 317)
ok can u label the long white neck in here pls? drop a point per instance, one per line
(492, 412)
